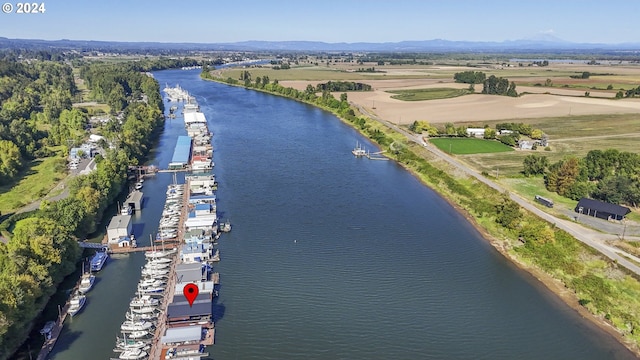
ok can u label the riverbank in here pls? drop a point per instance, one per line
(478, 202)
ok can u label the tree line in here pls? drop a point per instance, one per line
(42, 248)
(470, 77)
(342, 86)
(609, 175)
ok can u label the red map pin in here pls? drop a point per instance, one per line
(190, 291)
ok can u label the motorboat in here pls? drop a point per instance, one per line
(142, 301)
(143, 310)
(138, 186)
(139, 334)
(151, 283)
(133, 354)
(130, 325)
(98, 260)
(86, 283)
(77, 302)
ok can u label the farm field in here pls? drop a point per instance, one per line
(428, 94)
(458, 146)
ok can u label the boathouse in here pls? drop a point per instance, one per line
(134, 200)
(182, 335)
(194, 118)
(601, 209)
(179, 310)
(189, 272)
(181, 153)
(119, 226)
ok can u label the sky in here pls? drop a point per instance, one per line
(333, 21)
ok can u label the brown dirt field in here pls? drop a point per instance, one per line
(479, 107)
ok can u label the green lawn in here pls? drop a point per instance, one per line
(34, 182)
(469, 145)
(428, 94)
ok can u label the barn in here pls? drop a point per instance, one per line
(601, 209)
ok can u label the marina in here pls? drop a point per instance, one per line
(311, 249)
(162, 323)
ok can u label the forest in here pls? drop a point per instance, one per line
(37, 115)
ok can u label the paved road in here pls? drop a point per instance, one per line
(590, 237)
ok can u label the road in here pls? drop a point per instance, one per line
(587, 236)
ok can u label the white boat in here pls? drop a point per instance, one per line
(129, 325)
(143, 301)
(159, 261)
(138, 186)
(86, 283)
(152, 283)
(159, 253)
(143, 310)
(133, 354)
(152, 316)
(157, 266)
(76, 304)
(139, 334)
(155, 272)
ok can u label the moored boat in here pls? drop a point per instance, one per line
(98, 260)
(77, 303)
(133, 354)
(86, 283)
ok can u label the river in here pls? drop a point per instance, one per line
(333, 257)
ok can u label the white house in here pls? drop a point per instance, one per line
(120, 226)
(475, 132)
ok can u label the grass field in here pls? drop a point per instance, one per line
(35, 182)
(469, 146)
(427, 94)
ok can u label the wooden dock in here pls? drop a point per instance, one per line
(50, 342)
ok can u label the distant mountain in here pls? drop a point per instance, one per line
(542, 42)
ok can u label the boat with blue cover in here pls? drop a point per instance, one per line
(98, 260)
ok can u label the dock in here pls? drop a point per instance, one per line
(54, 334)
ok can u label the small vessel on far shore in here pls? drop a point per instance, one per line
(359, 151)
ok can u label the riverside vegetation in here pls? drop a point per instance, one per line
(41, 247)
(608, 292)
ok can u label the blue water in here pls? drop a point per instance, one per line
(333, 257)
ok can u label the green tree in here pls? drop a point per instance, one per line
(10, 160)
(508, 212)
(535, 165)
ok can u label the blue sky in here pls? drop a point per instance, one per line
(592, 21)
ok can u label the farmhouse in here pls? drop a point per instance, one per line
(525, 145)
(475, 132)
(601, 209)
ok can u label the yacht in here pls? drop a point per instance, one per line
(98, 260)
(133, 354)
(77, 303)
(86, 283)
(129, 325)
(138, 334)
(142, 301)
